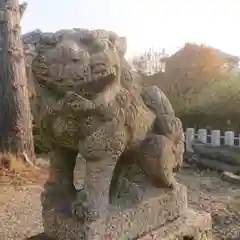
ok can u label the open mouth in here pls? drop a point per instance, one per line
(101, 77)
(101, 71)
(88, 85)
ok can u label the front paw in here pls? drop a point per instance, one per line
(79, 209)
(81, 105)
(76, 102)
(80, 205)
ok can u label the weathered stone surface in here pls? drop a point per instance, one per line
(191, 225)
(124, 222)
(152, 96)
(94, 114)
(155, 209)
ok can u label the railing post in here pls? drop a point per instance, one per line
(202, 135)
(215, 136)
(190, 135)
(229, 138)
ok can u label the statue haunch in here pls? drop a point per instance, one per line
(94, 107)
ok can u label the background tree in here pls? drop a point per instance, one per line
(191, 69)
(187, 73)
(15, 115)
(201, 82)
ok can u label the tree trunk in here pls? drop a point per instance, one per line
(225, 154)
(15, 115)
(215, 165)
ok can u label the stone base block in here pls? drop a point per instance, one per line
(121, 222)
(190, 226)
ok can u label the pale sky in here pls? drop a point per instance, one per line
(146, 23)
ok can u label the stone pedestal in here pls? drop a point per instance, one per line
(190, 225)
(165, 216)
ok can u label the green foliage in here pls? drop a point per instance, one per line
(220, 97)
(216, 106)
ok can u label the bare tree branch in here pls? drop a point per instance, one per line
(22, 8)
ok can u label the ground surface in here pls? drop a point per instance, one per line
(20, 210)
(207, 191)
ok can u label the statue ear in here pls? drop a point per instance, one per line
(121, 45)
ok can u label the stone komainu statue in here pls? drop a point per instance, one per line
(93, 112)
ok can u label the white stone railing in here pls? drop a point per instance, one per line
(215, 136)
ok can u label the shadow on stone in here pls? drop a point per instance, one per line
(40, 236)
